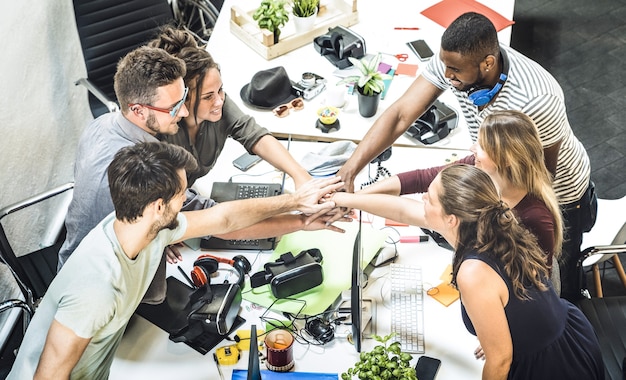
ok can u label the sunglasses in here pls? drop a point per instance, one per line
(283, 109)
(172, 111)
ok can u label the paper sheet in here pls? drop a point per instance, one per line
(336, 251)
(446, 11)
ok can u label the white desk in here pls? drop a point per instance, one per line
(147, 353)
(239, 63)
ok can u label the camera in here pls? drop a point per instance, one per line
(309, 86)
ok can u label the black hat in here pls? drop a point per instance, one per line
(268, 89)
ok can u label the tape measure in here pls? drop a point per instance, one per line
(227, 355)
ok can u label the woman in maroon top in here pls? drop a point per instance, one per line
(509, 150)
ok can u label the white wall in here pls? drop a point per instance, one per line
(42, 112)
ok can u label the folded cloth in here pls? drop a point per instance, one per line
(329, 159)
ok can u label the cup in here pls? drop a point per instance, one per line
(279, 345)
(336, 96)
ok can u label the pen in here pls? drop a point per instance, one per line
(405, 28)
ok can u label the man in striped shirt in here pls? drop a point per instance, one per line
(485, 77)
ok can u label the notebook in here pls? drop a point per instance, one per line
(229, 191)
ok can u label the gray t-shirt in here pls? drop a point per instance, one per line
(91, 201)
(94, 295)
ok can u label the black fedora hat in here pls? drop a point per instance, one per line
(268, 89)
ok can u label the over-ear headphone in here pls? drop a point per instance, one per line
(482, 96)
(206, 265)
(321, 330)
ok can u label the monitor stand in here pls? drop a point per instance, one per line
(368, 317)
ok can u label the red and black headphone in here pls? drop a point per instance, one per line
(205, 265)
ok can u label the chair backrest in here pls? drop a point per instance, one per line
(108, 30)
(31, 234)
(610, 228)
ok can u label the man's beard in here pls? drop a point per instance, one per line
(169, 221)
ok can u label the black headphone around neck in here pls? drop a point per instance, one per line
(482, 96)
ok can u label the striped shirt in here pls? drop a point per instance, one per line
(533, 91)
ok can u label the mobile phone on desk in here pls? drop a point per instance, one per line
(246, 161)
(421, 49)
(427, 367)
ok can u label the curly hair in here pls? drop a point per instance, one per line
(471, 34)
(489, 227)
(181, 43)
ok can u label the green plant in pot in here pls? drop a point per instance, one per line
(304, 8)
(370, 83)
(271, 15)
(384, 361)
(304, 14)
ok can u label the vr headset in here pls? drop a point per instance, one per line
(290, 274)
(212, 308)
(434, 125)
(339, 44)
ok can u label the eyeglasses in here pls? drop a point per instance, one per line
(172, 111)
(283, 109)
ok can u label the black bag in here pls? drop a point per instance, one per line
(589, 208)
(434, 124)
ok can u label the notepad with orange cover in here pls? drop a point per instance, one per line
(445, 292)
(446, 11)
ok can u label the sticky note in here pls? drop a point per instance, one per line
(406, 69)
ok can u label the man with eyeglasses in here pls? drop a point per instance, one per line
(150, 90)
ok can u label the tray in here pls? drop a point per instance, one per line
(331, 13)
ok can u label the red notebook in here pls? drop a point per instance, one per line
(446, 11)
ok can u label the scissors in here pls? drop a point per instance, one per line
(401, 57)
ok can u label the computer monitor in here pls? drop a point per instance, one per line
(355, 290)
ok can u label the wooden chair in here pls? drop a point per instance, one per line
(605, 241)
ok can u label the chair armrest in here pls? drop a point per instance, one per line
(111, 105)
(588, 255)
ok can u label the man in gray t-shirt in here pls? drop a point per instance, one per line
(83, 315)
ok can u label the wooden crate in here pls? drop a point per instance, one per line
(332, 13)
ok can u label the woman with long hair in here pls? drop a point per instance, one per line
(525, 330)
(213, 116)
(509, 150)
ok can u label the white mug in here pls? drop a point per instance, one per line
(336, 96)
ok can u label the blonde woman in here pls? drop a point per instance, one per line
(509, 150)
(524, 329)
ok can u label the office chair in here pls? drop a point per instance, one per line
(607, 315)
(108, 30)
(31, 234)
(605, 241)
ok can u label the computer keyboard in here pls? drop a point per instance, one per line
(407, 307)
(253, 191)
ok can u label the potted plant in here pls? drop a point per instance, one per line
(304, 12)
(369, 84)
(385, 361)
(271, 15)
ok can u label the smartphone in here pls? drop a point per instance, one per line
(421, 49)
(246, 161)
(427, 368)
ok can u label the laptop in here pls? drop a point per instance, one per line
(230, 191)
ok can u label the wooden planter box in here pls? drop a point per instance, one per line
(332, 13)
